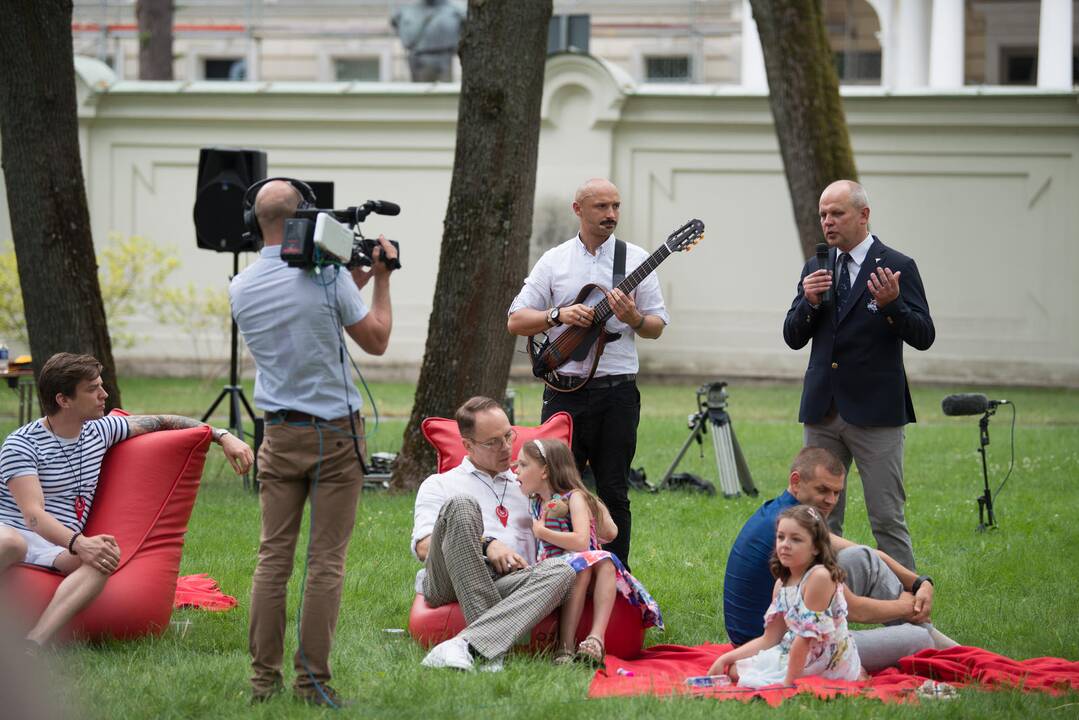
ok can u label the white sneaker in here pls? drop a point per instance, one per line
(452, 653)
(493, 665)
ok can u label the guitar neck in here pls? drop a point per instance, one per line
(630, 282)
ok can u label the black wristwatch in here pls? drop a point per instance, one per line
(487, 540)
(552, 317)
(918, 583)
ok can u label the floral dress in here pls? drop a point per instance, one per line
(627, 586)
(832, 653)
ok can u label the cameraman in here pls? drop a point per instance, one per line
(291, 319)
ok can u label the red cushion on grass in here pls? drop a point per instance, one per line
(625, 635)
(144, 499)
(442, 433)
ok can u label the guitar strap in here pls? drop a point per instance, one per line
(619, 272)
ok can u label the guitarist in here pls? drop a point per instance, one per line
(606, 410)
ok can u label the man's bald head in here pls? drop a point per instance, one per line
(276, 202)
(591, 187)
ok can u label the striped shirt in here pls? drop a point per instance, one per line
(66, 469)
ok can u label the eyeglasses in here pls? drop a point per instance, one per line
(496, 443)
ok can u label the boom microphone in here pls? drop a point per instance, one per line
(969, 404)
(822, 264)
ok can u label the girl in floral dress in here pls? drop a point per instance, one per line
(568, 520)
(805, 629)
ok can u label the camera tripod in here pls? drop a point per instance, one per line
(731, 466)
(235, 393)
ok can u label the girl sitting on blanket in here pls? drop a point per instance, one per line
(568, 520)
(805, 629)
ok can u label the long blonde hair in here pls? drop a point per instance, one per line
(562, 474)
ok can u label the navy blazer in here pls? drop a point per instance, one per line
(857, 354)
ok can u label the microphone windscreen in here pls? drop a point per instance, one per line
(965, 404)
(385, 207)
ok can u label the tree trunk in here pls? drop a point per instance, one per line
(39, 134)
(488, 221)
(808, 113)
(155, 39)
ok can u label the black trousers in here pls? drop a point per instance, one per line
(604, 437)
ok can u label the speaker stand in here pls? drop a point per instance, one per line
(235, 393)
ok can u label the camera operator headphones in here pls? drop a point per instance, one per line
(252, 231)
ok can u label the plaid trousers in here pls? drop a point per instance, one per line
(497, 608)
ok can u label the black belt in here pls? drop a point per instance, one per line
(295, 416)
(605, 381)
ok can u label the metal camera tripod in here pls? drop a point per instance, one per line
(731, 466)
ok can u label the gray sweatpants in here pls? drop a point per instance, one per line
(868, 576)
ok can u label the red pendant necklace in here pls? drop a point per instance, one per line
(80, 501)
(500, 509)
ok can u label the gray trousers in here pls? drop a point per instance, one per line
(882, 647)
(878, 452)
(497, 608)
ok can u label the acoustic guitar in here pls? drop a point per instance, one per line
(576, 342)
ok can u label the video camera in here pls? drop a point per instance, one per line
(316, 237)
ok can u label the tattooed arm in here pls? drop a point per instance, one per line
(236, 451)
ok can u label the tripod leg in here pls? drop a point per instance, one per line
(744, 476)
(694, 434)
(220, 396)
(728, 472)
(236, 420)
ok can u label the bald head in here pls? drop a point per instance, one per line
(850, 191)
(597, 204)
(591, 187)
(276, 202)
(844, 214)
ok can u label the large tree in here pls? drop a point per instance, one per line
(488, 221)
(155, 38)
(808, 113)
(46, 195)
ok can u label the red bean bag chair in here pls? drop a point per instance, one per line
(144, 499)
(429, 625)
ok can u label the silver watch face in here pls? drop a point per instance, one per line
(554, 315)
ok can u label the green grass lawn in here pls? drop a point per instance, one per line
(1012, 590)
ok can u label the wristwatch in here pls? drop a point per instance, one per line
(552, 317)
(218, 433)
(918, 583)
(487, 540)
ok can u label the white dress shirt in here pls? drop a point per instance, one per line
(857, 259)
(559, 276)
(489, 492)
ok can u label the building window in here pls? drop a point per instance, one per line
(858, 67)
(667, 68)
(357, 68)
(224, 69)
(569, 33)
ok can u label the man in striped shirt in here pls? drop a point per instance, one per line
(49, 471)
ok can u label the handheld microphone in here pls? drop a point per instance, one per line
(969, 404)
(822, 264)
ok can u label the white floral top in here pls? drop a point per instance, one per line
(832, 653)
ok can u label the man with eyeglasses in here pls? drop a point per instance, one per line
(473, 532)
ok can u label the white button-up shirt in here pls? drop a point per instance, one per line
(489, 492)
(857, 259)
(559, 276)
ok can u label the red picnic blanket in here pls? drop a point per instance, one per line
(201, 591)
(662, 670)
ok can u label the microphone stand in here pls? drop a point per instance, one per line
(985, 502)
